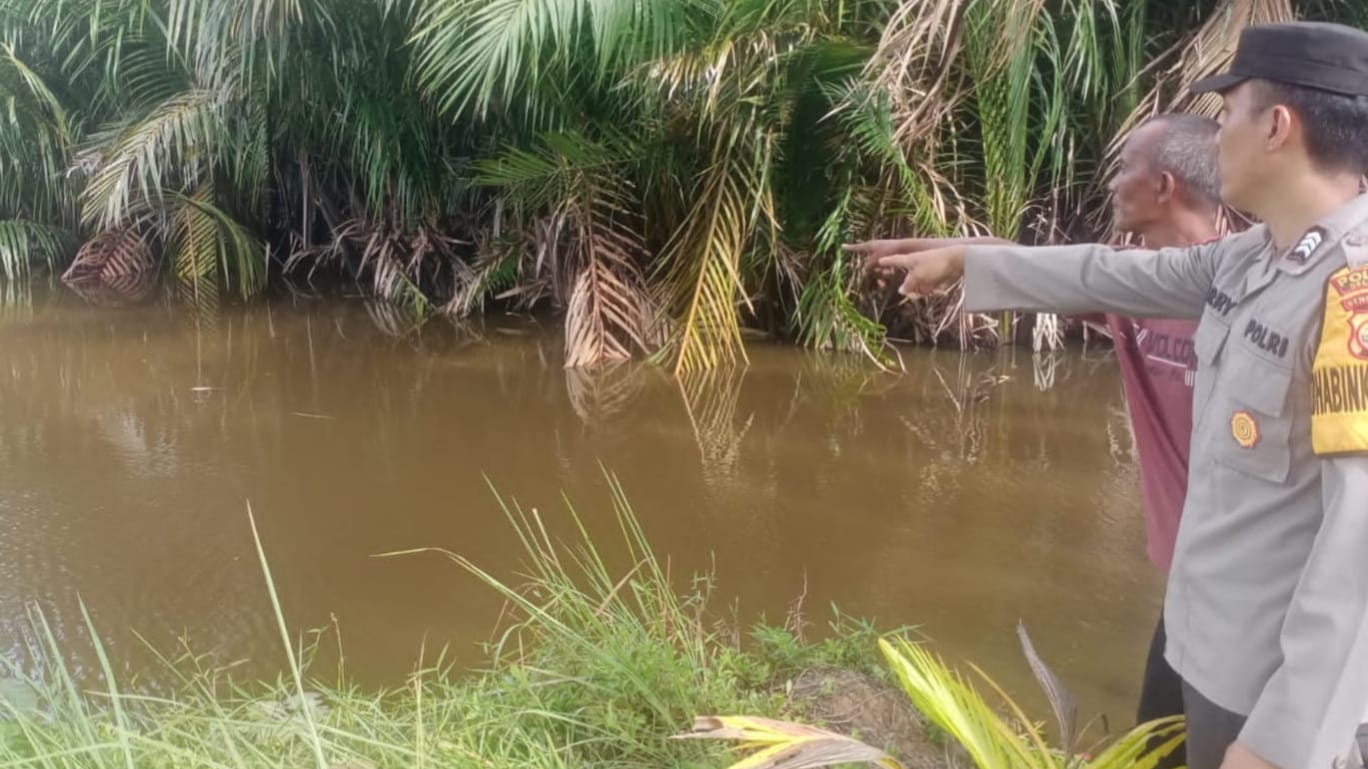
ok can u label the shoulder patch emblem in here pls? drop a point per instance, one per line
(1351, 290)
(1245, 429)
(1339, 416)
(1307, 245)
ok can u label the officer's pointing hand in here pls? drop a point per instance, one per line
(875, 252)
(878, 249)
(927, 271)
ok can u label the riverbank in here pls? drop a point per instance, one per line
(591, 668)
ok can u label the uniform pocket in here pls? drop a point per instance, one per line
(1208, 340)
(1255, 394)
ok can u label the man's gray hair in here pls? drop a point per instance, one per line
(1186, 148)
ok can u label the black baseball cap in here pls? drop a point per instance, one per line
(1312, 54)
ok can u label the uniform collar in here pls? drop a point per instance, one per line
(1322, 238)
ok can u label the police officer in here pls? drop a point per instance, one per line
(1267, 600)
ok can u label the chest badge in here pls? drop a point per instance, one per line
(1245, 429)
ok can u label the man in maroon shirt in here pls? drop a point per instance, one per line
(1166, 192)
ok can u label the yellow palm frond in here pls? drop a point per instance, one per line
(196, 255)
(945, 699)
(704, 279)
(949, 702)
(786, 745)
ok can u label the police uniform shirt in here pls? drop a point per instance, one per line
(1267, 601)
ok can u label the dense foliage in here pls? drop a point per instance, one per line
(663, 172)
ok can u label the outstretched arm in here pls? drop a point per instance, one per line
(1171, 283)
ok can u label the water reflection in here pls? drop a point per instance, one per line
(973, 491)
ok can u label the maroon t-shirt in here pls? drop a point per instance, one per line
(1158, 367)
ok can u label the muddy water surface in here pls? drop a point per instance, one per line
(965, 495)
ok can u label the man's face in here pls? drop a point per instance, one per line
(1243, 162)
(1137, 187)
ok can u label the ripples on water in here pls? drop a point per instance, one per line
(968, 493)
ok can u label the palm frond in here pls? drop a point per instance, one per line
(547, 173)
(1061, 700)
(36, 137)
(826, 315)
(867, 118)
(40, 91)
(113, 269)
(602, 394)
(495, 270)
(394, 257)
(786, 745)
(25, 243)
(113, 255)
(195, 249)
(212, 250)
(950, 703)
(609, 310)
(1207, 51)
(473, 54)
(1143, 747)
(171, 144)
(704, 279)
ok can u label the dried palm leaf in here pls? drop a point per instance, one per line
(1206, 52)
(394, 320)
(393, 256)
(607, 313)
(113, 254)
(913, 64)
(1061, 700)
(121, 292)
(609, 310)
(603, 393)
(473, 283)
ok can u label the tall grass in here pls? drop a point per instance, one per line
(591, 668)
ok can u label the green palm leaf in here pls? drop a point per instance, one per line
(25, 243)
(211, 249)
(173, 143)
(474, 54)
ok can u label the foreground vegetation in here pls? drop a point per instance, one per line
(663, 172)
(598, 668)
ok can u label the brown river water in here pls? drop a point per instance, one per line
(962, 496)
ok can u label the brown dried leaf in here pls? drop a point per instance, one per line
(114, 254)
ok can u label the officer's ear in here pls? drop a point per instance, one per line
(1281, 123)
